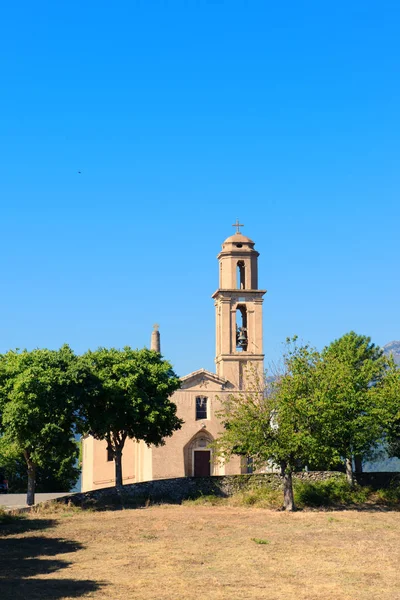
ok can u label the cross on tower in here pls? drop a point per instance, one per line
(237, 225)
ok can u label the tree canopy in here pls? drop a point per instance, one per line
(322, 408)
(128, 396)
(59, 471)
(391, 394)
(353, 398)
(274, 421)
(39, 391)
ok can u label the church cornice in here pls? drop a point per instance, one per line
(235, 292)
(238, 252)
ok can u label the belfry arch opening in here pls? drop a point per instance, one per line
(241, 328)
(240, 275)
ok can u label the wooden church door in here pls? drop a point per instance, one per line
(202, 463)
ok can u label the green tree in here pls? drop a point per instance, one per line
(59, 471)
(351, 396)
(39, 391)
(129, 397)
(390, 389)
(276, 421)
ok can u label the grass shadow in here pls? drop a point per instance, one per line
(17, 524)
(46, 589)
(23, 558)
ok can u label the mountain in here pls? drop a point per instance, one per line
(394, 349)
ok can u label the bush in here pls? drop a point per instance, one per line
(390, 496)
(259, 498)
(262, 497)
(207, 500)
(329, 493)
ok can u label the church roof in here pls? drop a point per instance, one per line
(238, 238)
(202, 375)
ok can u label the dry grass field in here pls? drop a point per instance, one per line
(209, 552)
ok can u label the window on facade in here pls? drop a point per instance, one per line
(201, 407)
(110, 454)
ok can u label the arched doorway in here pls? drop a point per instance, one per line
(198, 455)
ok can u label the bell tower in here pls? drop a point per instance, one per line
(238, 306)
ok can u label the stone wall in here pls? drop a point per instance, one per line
(183, 488)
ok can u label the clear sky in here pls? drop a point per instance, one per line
(181, 117)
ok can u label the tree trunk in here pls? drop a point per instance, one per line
(349, 471)
(30, 495)
(118, 467)
(358, 464)
(288, 497)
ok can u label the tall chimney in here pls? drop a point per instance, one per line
(155, 339)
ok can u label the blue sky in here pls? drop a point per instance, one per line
(181, 117)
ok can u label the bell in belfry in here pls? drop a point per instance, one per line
(241, 337)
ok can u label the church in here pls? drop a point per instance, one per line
(239, 344)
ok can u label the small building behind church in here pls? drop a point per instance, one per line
(239, 344)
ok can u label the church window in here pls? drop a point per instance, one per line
(240, 275)
(201, 407)
(110, 454)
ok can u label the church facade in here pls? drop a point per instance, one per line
(239, 345)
